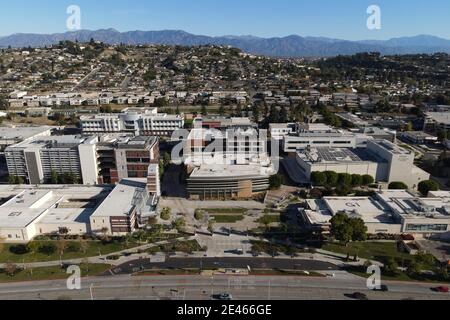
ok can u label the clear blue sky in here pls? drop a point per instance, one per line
(345, 19)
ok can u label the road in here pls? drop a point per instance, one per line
(88, 76)
(202, 288)
(223, 263)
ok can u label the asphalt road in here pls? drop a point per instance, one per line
(223, 263)
(203, 288)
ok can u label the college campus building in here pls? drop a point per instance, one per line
(92, 160)
(136, 121)
(383, 160)
(123, 156)
(226, 160)
(13, 135)
(393, 212)
(29, 211)
(305, 135)
(35, 160)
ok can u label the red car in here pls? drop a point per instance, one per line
(443, 289)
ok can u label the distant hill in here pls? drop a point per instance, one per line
(290, 46)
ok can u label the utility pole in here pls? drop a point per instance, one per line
(270, 289)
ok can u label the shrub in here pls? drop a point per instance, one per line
(19, 249)
(276, 181)
(332, 178)
(428, 185)
(199, 215)
(345, 179)
(397, 185)
(357, 180)
(318, 178)
(47, 248)
(367, 180)
(165, 214)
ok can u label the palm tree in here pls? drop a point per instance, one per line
(84, 245)
(105, 236)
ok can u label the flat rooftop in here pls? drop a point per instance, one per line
(440, 117)
(321, 155)
(22, 133)
(53, 203)
(122, 199)
(229, 171)
(366, 208)
(68, 141)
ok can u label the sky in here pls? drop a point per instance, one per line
(342, 19)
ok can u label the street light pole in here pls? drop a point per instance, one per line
(91, 291)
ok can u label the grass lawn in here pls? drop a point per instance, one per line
(278, 272)
(224, 211)
(168, 272)
(51, 273)
(269, 219)
(177, 246)
(227, 218)
(369, 250)
(93, 249)
(400, 276)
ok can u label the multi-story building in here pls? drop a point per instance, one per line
(10, 136)
(122, 156)
(320, 135)
(36, 160)
(383, 160)
(137, 121)
(90, 160)
(389, 211)
(226, 161)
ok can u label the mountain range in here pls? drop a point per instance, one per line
(290, 46)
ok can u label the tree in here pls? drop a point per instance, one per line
(318, 178)
(222, 110)
(179, 224)
(341, 229)
(397, 185)
(84, 246)
(10, 269)
(332, 178)
(204, 111)
(359, 229)
(345, 179)
(2, 244)
(276, 181)
(347, 229)
(15, 180)
(61, 246)
(54, 177)
(3, 103)
(426, 186)
(367, 180)
(391, 266)
(165, 214)
(357, 180)
(199, 215)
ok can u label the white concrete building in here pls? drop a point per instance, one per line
(138, 121)
(35, 159)
(390, 212)
(383, 160)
